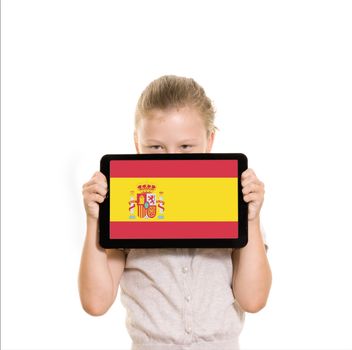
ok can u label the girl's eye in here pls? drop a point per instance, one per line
(154, 147)
(185, 146)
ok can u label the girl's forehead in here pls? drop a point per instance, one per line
(184, 117)
(172, 125)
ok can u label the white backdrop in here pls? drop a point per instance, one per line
(280, 75)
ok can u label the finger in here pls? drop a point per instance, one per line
(95, 197)
(252, 187)
(249, 180)
(99, 175)
(251, 197)
(88, 183)
(98, 198)
(96, 188)
(247, 173)
(95, 180)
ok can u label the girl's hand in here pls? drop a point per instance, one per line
(94, 192)
(253, 193)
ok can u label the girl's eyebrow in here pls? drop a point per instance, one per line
(151, 140)
(188, 140)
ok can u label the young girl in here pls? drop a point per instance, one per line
(187, 298)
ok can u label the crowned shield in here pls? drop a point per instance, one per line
(146, 205)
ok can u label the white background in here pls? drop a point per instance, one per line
(279, 73)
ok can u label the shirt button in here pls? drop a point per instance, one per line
(188, 297)
(184, 269)
(188, 329)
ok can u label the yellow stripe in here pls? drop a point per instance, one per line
(186, 199)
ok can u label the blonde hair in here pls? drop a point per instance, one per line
(171, 91)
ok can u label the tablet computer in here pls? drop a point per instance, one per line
(173, 200)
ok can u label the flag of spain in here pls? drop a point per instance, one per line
(173, 198)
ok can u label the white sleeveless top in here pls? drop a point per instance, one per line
(181, 299)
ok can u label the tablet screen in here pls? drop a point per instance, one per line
(173, 199)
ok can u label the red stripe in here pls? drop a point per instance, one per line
(174, 168)
(147, 230)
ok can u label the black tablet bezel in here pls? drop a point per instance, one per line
(104, 208)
